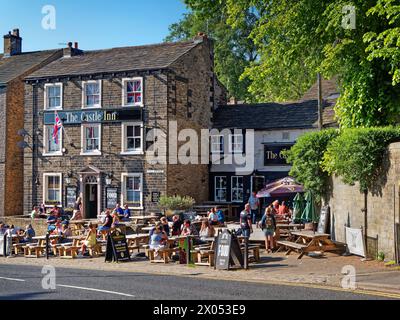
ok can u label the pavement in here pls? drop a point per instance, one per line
(329, 271)
(24, 282)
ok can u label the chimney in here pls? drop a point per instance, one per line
(201, 36)
(70, 51)
(12, 43)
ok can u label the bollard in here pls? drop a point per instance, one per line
(5, 245)
(47, 246)
(246, 253)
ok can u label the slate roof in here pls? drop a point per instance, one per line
(16, 65)
(269, 116)
(148, 57)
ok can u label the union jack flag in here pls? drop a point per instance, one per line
(57, 127)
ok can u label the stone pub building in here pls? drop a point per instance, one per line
(108, 100)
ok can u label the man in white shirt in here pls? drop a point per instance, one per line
(254, 205)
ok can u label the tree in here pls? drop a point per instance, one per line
(297, 39)
(234, 51)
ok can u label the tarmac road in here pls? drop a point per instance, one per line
(25, 283)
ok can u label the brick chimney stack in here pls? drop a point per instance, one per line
(201, 36)
(12, 43)
(71, 51)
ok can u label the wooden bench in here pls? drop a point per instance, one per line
(19, 248)
(293, 246)
(67, 251)
(33, 250)
(206, 253)
(254, 252)
(165, 253)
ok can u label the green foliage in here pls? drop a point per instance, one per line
(356, 154)
(306, 158)
(176, 203)
(296, 39)
(234, 51)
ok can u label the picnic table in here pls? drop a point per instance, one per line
(308, 241)
(145, 219)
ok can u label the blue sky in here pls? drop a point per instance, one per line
(95, 24)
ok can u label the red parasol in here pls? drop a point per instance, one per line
(280, 188)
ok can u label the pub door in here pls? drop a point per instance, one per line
(91, 201)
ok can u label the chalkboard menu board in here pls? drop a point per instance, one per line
(117, 247)
(111, 197)
(70, 197)
(324, 218)
(228, 252)
(155, 196)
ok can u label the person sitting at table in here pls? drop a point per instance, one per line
(188, 229)
(106, 226)
(158, 240)
(213, 217)
(115, 219)
(165, 225)
(207, 230)
(90, 240)
(119, 210)
(176, 225)
(268, 225)
(29, 233)
(127, 213)
(77, 215)
(35, 213)
(220, 216)
(65, 232)
(284, 210)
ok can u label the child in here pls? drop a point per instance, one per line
(90, 240)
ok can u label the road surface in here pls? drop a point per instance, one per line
(25, 283)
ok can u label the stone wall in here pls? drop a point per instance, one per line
(194, 98)
(3, 97)
(383, 203)
(39, 225)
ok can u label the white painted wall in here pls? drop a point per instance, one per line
(260, 138)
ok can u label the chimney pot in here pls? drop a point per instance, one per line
(16, 32)
(69, 44)
(76, 46)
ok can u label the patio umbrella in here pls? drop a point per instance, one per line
(298, 206)
(280, 188)
(309, 212)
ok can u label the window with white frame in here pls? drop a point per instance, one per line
(132, 92)
(132, 189)
(91, 94)
(91, 139)
(132, 138)
(52, 145)
(53, 96)
(237, 189)
(52, 188)
(220, 189)
(217, 143)
(236, 143)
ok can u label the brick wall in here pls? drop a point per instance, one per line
(3, 95)
(111, 160)
(193, 100)
(383, 203)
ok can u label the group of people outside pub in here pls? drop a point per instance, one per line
(248, 218)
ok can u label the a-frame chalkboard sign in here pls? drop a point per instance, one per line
(117, 247)
(227, 251)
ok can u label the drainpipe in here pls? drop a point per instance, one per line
(34, 146)
(320, 101)
(365, 211)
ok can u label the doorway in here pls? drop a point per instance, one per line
(257, 183)
(91, 201)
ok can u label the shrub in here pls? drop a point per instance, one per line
(176, 202)
(306, 158)
(356, 155)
